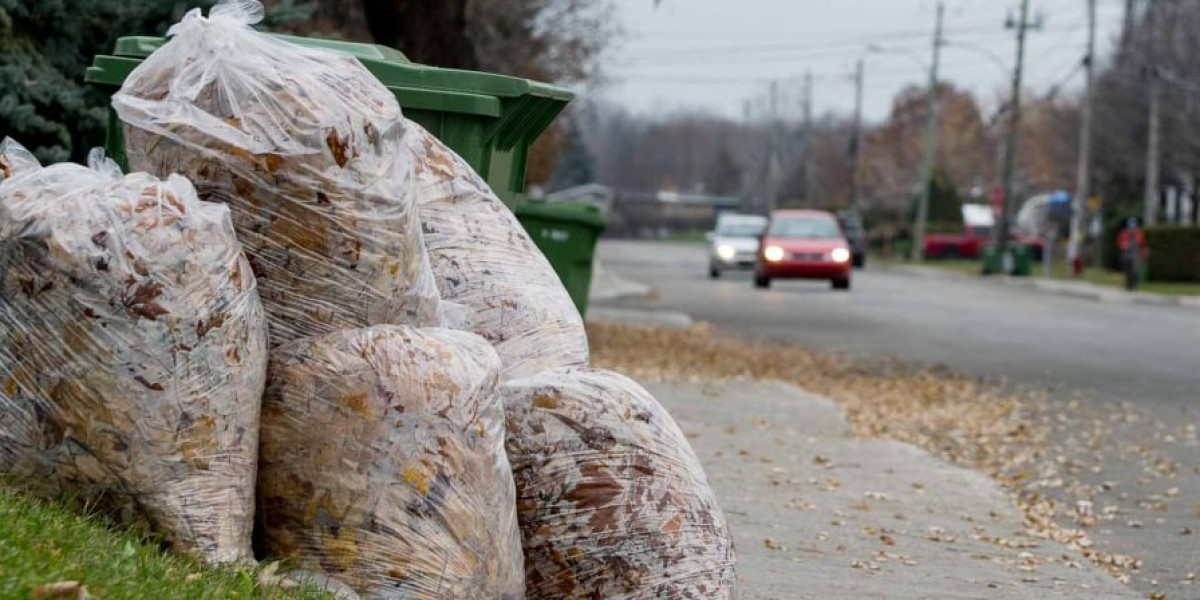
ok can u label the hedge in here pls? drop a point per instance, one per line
(1174, 253)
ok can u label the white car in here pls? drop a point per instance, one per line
(734, 243)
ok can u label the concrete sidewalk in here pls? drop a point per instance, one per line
(817, 514)
(1061, 287)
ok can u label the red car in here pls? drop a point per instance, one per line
(803, 244)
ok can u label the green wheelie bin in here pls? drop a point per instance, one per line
(566, 232)
(490, 120)
(1018, 263)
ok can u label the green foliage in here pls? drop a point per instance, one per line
(47, 542)
(1174, 253)
(45, 47)
(945, 206)
(287, 13)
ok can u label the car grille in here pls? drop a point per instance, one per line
(808, 256)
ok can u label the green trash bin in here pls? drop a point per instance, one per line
(490, 120)
(1022, 260)
(566, 232)
(1018, 261)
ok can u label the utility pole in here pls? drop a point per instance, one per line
(1153, 88)
(856, 140)
(1083, 178)
(772, 136)
(1014, 128)
(1127, 31)
(930, 153)
(809, 192)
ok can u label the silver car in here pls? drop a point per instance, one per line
(734, 243)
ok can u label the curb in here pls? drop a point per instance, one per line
(668, 319)
(608, 285)
(1070, 289)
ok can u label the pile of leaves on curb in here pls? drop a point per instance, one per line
(975, 423)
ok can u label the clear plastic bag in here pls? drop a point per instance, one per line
(15, 159)
(483, 260)
(383, 464)
(132, 351)
(611, 499)
(308, 150)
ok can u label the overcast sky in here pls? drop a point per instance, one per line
(714, 55)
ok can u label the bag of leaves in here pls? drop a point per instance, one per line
(484, 261)
(611, 499)
(308, 150)
(132, 352)
(15, 159)
(383, 465)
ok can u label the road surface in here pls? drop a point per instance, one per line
(1111, 352)
(1130, 447)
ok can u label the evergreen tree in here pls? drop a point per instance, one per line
(45, 47)
(945, 205)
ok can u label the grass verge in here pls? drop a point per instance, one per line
(1060, 270)
(44, 543)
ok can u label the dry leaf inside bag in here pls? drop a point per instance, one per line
(611, 499)
(483, 260)
(383, 464)
(132, 352)
(15, 159)
(307, 148)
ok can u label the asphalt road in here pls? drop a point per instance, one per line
(1111, 352)
(1129, 445)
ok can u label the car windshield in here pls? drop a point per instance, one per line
(805, 228)
(740, 229)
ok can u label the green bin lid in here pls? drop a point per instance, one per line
(578, 213)
(391, 66)
(524, 108)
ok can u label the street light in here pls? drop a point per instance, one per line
(856, 148)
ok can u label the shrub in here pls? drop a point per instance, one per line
(1174, 253)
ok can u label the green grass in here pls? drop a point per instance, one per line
(47, 542)
(1060, 270)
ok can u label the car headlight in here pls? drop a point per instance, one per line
(840, 255)
(774, 253)
(726, 251)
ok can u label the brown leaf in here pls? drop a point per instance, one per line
(62, 590)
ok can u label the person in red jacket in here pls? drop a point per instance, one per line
(1132, 244)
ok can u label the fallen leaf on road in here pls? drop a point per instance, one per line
(771, 544)
(887, 540)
